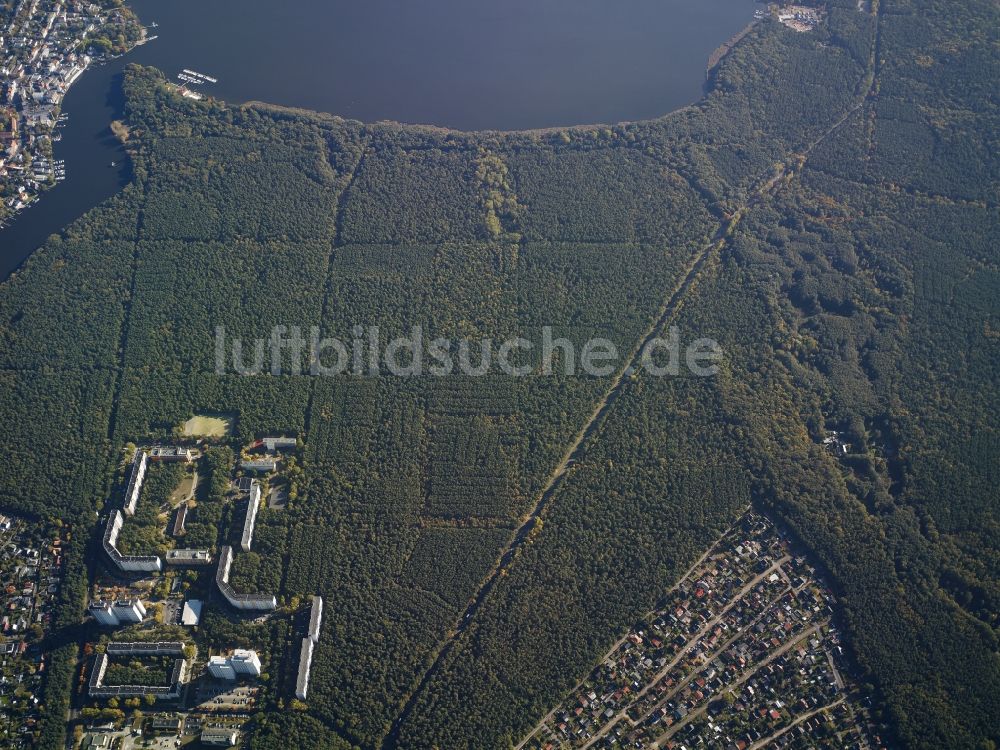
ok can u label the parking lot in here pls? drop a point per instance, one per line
(172, 609)
(222, 696)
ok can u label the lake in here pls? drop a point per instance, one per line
(509, 65)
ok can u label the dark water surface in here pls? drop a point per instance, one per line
(466, 64)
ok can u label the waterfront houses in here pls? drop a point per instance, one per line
(45, 46)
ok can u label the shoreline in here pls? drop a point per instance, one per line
(726, 47)
(32, 191)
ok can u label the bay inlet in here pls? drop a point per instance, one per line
(520, 64)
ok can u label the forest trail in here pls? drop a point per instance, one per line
(782, 174)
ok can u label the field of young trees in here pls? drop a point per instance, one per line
(828, 213)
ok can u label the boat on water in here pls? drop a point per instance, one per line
(200, 76)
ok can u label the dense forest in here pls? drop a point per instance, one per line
(828, 213)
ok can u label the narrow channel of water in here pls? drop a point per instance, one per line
(89, 148)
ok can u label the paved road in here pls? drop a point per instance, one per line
(694, 673)
(798, 720)
(787, 646)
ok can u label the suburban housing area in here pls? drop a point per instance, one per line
(742, 653)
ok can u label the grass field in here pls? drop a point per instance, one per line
(201, 425)
(184, 490)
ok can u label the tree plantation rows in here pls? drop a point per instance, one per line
(827, 213)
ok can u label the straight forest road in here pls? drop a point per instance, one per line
(577, 447)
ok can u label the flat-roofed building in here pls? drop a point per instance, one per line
(221, 668)
(188, 557)
(129, 610)
(169, 724)
(253, 504)
(245, 661)
(263, 465)
(274, 444)
(134, 487)
(103, 612)
(237, 600)
(242, 662)
(180, 518)
(97, 689)
(305, 666)
(219, 737)
(127, 563)
(315, 618)
(191, 614)
(145, 648)
(170, 453)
